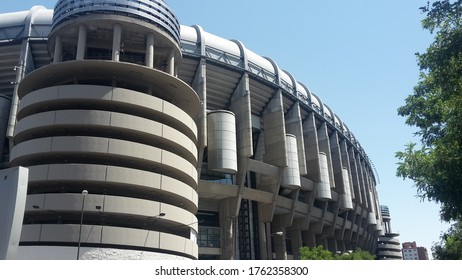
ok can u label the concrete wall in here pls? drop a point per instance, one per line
(13, 190)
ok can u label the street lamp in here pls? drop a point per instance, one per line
(269, 239)
(158, 216)
(84, 193)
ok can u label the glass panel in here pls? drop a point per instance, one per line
(209, 237)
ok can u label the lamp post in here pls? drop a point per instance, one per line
(269, 237)
(84, 193)
(160, 215)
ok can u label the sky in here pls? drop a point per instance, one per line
(357, 56)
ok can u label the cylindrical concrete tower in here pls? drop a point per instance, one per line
(346, 201)
(222, 150)
(109, 116)
(291, 175)
(371, 217)
(323, 191)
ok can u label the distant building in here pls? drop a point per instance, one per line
(388, 246)
(412, 252)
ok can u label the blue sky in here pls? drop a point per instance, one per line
(357, 56)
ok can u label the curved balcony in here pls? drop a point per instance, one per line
(155, 12)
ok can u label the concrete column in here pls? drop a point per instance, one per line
(367, 186)
(389, 230)
(20, 73)
(81, 43)
(339, 234)
(321, 241)
(355, 218)
(318, 227)
(12, 117)
(199, 84)
(270, 184)
(363, 183)
(13, 192)
(241, 107)
(58, 53)
(275, 132)
(346, 166)
(337, 166)
(355, 177)
(332, 244)
(374, 242)
(346, 234)
(264, 242)
(324, 241)
(227, 227)
(296, 237)
(310, 135)
(294, 126)
(310, 238)
(377, 207)
(341, 246)
(324, 146)
(304, 223)
(116, 39)
(332, 228)
(150, 50)
(171, 63)
(375, 200)
(269, 241)
(5, 105)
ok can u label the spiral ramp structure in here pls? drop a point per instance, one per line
(188, 144)
(389, 246)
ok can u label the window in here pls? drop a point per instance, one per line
(209, 229)
(209, 237)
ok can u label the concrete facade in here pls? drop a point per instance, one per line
(13, 191)
(412, 252)
(122, 101)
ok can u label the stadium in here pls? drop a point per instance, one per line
(147, 139)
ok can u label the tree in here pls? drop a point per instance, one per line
(315, 253)
(357, 254)
(435, 109)
(450, 245)
(319, 253)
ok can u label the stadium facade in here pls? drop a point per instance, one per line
(147, 139)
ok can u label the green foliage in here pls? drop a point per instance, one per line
(319, 253)
(435, 109)
(316, 253)
(450, 245)
(358, 254)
